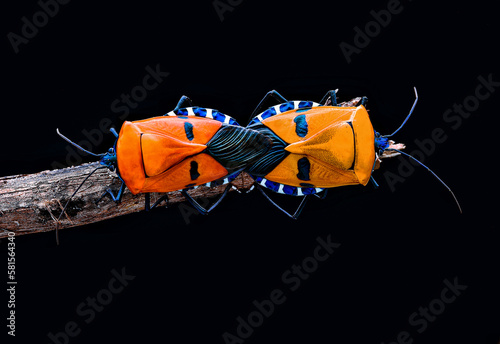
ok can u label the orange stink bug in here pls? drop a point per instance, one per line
(317, 147)
(185, 148)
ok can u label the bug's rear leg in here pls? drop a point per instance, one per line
(198, 207)
(147, 205)
(374, 182)
(330, 95)
(322, 195)
(297, 212)
(116, 198)
(269, 94)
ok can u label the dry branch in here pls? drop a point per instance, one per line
(32, 203)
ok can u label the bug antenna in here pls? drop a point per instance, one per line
(435, 175)
(74, 193)
(406, 119)
(79, 147)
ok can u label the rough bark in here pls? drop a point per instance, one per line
(32, 203)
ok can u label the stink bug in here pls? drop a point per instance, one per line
(318, 146)
(185, 148)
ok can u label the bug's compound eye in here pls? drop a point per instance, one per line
(111, 168)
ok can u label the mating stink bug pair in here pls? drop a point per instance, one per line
(298, 148)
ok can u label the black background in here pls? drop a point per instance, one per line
(194, 280)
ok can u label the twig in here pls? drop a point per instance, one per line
(31, 203)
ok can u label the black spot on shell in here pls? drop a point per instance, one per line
(304, 166)
(188, 128)
(193, 172)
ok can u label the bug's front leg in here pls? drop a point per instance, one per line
(330, 97)
(116, 198)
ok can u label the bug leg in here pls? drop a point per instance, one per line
(374, 182)
(226, 190)
(269, 94)
(193, 202)
(147, 202)
(198, 207)
(301, 206)
(297, 212)
(323, 194)
(363, 101)
(158, 201)
(116, 198)
(182, 102)
(332, 95)
(113, 131)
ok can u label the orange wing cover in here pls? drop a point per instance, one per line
(158, 154)
(339, 146)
